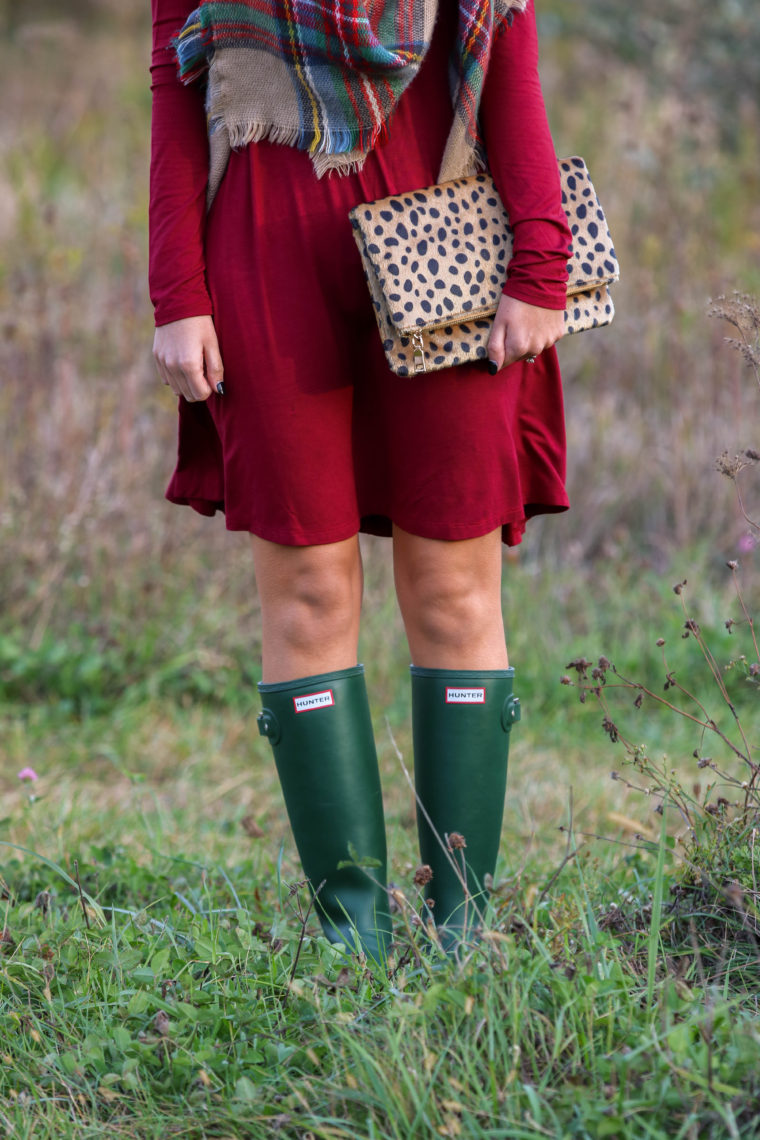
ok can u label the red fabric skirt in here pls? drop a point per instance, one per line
(315, 438)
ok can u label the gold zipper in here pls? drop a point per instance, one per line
(418, 344)
(460, 319)
(419, 352)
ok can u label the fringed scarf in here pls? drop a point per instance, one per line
(326, 76)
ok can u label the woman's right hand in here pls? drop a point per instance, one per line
(187, 356)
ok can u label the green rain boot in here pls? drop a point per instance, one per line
(321, 735)
(461, 724)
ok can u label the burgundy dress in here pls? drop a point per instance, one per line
(315, 438)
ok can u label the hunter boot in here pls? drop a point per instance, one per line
(324, 749)
(461, 724)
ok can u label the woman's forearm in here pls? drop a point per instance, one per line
(178, 176)
(524, 167)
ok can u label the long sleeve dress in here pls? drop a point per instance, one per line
(315, 438)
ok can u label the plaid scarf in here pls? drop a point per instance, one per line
(325, 77)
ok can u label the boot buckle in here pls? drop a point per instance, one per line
(510, 712)
(269, 725)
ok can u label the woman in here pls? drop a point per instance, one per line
(291, 422)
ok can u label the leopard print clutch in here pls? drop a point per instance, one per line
(436, 260)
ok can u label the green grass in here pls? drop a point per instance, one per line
(164, 1000)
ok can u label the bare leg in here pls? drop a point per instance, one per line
(450, 598)
(310, 605)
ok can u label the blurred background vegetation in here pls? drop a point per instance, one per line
(109, 595)
(129, 632)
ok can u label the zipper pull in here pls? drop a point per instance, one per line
(419, 352)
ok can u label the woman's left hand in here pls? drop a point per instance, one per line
(520, 331)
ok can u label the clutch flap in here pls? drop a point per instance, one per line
(439, 254)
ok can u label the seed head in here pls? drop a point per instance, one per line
(423, 875)
(42, 902)
(456, 841)
(742, 311)
(610, 729)
(730, 465)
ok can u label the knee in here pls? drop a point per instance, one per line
(315, 604)
(317, 595)
(450, 610)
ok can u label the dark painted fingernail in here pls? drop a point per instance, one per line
(493, 367)
(220, 388)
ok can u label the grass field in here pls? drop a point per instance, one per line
(159, 975)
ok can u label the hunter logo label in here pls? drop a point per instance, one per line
(465, 696)
(314, 701)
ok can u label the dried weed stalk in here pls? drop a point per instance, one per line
(721, 820)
